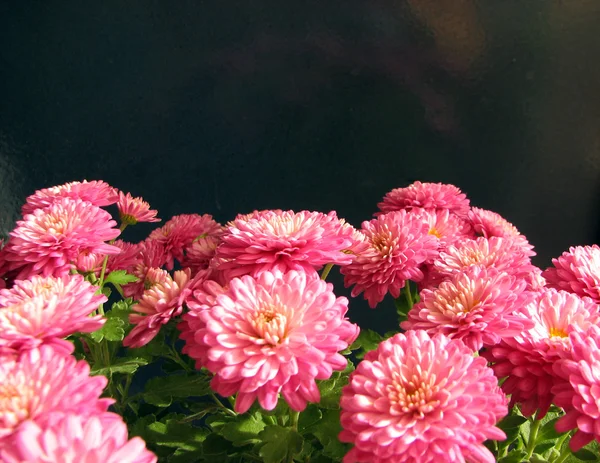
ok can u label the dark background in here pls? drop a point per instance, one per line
(226, 106)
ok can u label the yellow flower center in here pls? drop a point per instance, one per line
(433, 231)
(558, 333)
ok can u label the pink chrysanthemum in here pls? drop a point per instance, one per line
(133, 210)
(97, 192)
(475, 306)
(581, 397)
(526, 359)
(577, 271)
(89, 262)
(45, 310)
(417, 399)
(399, 243)
(434, 196)
(179, 232)
(42, 382)
(447, 227)
(71, 438)
(199, 255)
(274, 334)
(283, 240)
(488, 224)
(151, 255)
(159, 304)
(48, 241)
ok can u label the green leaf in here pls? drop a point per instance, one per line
(326, 431)
(511, 422)
(112, 330)
(309, 417)
(126, 365)
(537, 458)
(279, 443)
(331, 389)
(215, 445)
(547, 432)
(171, 432)
(543, 447)
(585, 455)
(160, 391)
(367, 340)
(516, 456)
(121, 309)
(120, 277)
(244, 430)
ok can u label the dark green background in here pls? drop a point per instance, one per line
(229, 106)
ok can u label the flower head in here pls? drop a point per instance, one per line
(526, 358)
(48, 241)
(159, 304)
(96, 192)
(398, 243)
(199, 255)
(433, 196)
(577, 271)
(276, 333)
(151, 255)
(42, 382)
(488, 224)
(101, 438)
(447, 227)
(133, 210)
(421, 399)
(475, 306)
(283, 240)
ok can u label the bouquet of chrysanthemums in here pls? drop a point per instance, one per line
(226, 343)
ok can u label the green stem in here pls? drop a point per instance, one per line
(326, 271)
(294, 419)
(408, 294)
(566, 451)
(220, 404)
(533, 433)
(177, 359)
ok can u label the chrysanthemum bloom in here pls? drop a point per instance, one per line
(180, 232)
(102, 438)
(581, 397)
(133, 210)
(42, 382)
(577, 271)
(199, 254)
(48, 241)
(45, 310)
(159, 304)
(488, 224)
(276, 333)
(421, 399)
(447, 227)
(151, 255)
(283, 240)
(526, 359)
(89, 262)
(399, 243)
(434, 196)
(475, 306)
(97, 192)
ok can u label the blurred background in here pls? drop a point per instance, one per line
(230, 106)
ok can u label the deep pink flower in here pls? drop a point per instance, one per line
(159, 304)
(199, 255)
(417, 399)
(274, 334)
(133, 210)
(283, 240)
(48, 241)
(179, 232)
(399, 243)
(444, 225)
(581, 397)
(45, 310)
(151, 255)
(577, 271)
(71, 438)
(434, 196)
(475, 306)
(42, 382)
(90, 262)
(488, 224)
(97, 192)
(526, 358)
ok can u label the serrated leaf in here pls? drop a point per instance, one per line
(537, 458)
(160, 391)
(215, 445)
(279, 443)
(331, 389)
(585, 455)
(120, 309)
(309, 417)
(171, 432)
(516, 456)
(326, 431)
(120, 277)
(112, 330)
(511, 422)
(367, 340)
(244, 430)
(127, 365)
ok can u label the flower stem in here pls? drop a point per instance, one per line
(566, 451)
(294, 419)
(326, 271)
(533, 433)
(408, 294)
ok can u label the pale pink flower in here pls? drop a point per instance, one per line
(434, 196)
(581, 397)
(444, 225)
(45, 310)
(71, 438)
(283, 240)
(526, 358)
(488, 224)
(97, 192)
(272, 335)
(421, 399)
(42, 382)
(399, 243)
(179, 232)
(48, 241)
(133, 210)
(577, 271)
(475, 306)
(160, 303)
